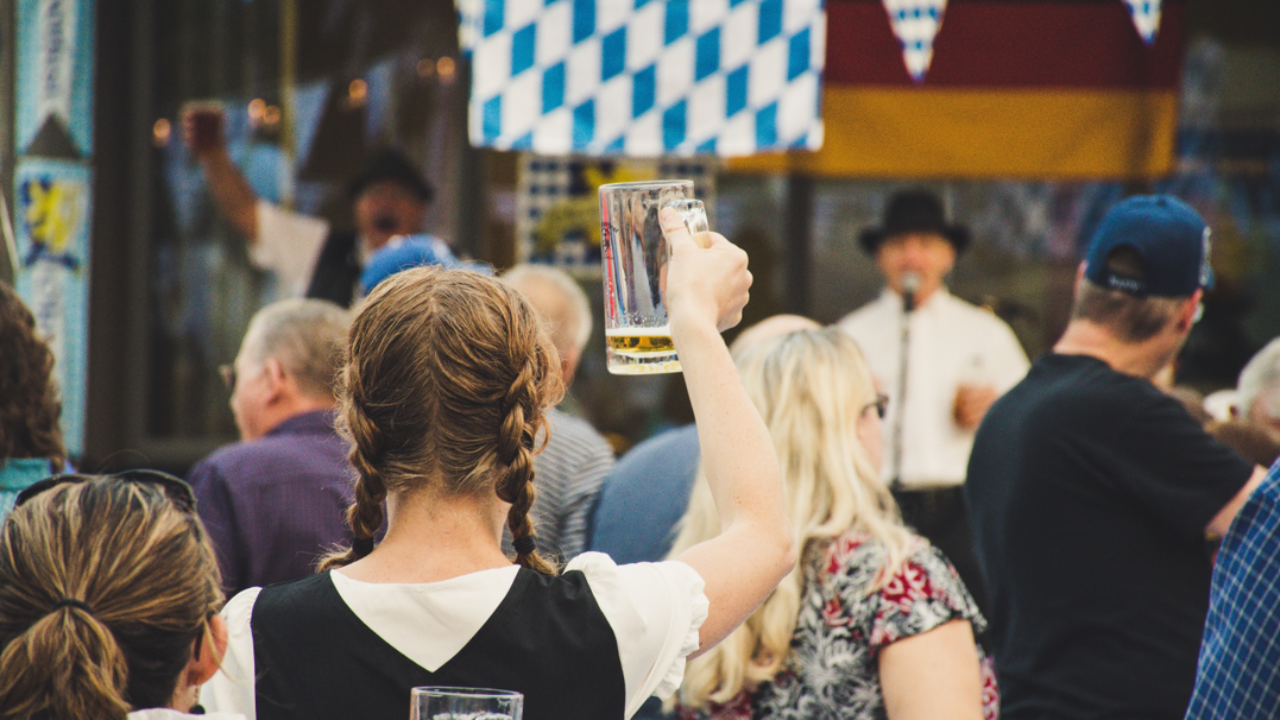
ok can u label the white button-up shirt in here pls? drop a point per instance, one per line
(953, 343)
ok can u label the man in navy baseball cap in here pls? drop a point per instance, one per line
(1093, 492)
(1169, 240)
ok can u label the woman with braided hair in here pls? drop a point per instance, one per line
(109, 592)
(447, 380)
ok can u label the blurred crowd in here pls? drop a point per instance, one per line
(898, 516)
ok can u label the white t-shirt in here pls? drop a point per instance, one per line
(289, 245)
(952, 343)
(654, 609)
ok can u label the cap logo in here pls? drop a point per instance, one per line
(1129, 285)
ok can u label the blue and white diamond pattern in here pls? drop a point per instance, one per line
(645, 78)
(1146, 18)
(916, 23)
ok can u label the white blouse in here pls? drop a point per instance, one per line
(655, 610)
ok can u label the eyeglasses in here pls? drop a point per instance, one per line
(228, 373)
(881, 404)
(175, 489)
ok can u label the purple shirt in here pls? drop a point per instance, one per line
(273, 506)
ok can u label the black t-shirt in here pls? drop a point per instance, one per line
(1090, 491)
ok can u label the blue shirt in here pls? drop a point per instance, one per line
(1238, 676)
(273, 506)
(645, 496)
(18, 474)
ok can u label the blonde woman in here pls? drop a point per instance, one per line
(873, 622)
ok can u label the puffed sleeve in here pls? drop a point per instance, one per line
(656, 611)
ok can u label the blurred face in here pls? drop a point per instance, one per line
(249, 398)
(386, 209)
(870, 431)
(929, 255)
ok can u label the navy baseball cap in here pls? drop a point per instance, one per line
(410, 251)
(1167, 234)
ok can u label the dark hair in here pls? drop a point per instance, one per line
(448, 376)
(391, 165)
(29, 406)
(105, 585)
(1131, 318)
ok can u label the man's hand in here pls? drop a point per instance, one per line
(971, 404)
(202, 129)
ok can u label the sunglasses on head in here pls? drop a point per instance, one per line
(175, 489)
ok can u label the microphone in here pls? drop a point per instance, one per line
(910, 286)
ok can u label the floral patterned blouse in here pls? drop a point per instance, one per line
(833, 671)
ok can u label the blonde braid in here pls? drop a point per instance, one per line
(365, 515)
(515, 450)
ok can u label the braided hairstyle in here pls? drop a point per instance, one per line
(105, 586)
(447, 380)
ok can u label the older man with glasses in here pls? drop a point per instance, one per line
(276, 500)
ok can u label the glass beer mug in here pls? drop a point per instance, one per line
(635, 254)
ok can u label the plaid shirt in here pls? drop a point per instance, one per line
(1239, 672)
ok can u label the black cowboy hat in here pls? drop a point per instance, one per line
(392, 165)
(914, 211)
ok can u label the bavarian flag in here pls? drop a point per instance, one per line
(1052, 89)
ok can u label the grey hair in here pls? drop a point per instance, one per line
(1260, 379)
(559, 301)
(306, 336)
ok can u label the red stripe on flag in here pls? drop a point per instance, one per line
(1010, 44)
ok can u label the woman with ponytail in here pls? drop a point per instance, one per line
(873, 622)
(108, 597)
(447, 381)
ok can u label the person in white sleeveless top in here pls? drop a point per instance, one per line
(448, 381)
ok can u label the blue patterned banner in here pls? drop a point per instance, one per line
(645, 78)
(53, 219)
(54, 98)
(916, 23)
(1146, 18)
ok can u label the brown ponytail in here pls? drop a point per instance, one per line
(104, 587)
(448, 377)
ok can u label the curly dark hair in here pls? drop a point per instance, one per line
(29, 404)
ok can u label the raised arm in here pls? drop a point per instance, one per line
(230, 190)
(706, 290)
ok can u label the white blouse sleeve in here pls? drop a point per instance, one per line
(231, 689)
(655, 610)
(288, 245)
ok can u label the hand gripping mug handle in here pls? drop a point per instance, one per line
(695, 219)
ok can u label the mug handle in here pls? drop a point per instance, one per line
(695, 218)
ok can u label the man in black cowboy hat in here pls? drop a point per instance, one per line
(960, 358)
(308, 256)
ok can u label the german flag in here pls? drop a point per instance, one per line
(1045, 89)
